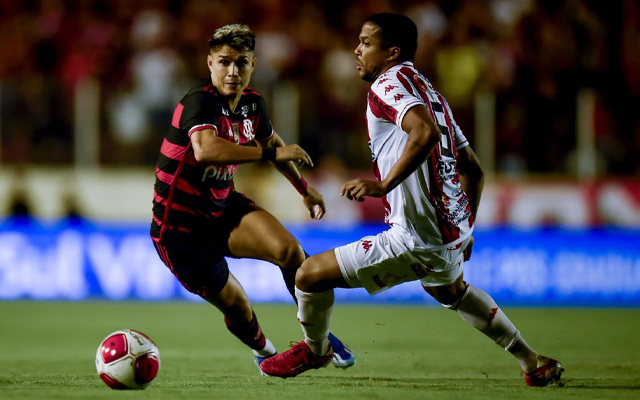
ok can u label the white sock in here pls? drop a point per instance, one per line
(481, 311)
(314, 314)
(268, 350)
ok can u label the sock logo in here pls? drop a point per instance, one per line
(366, 245)
(494, 311)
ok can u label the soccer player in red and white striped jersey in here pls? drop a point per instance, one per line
(430, 182)
(198, 217)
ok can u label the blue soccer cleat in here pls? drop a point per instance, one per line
(343, 356)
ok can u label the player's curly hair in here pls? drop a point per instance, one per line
(236, 36)
(397, 30)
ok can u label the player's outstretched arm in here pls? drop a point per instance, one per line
(311, 198)
(209, 148)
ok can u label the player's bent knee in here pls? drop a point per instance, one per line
(309, 274)
(289, 254)
(448, 295)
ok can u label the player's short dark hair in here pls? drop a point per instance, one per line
(236, 36)
(397, 30)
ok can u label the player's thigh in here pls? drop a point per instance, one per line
(320, 273)
(199, 266)
(260, 235)
(378, 262)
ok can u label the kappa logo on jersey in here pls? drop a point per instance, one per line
(366, 245)
(398, 97)
(389, 88)
(248, 129)
(221, 173)
(383, 80)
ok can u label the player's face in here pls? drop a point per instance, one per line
(372, 58)
(231, 70)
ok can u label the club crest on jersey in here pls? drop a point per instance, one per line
(248, 129)
(420, 82)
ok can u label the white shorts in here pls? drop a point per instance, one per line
(380, 262)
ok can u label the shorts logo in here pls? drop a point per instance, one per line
(385, 241)
(421, 270)
(366, 245)
(387, 280)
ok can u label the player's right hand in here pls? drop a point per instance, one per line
(295, 153)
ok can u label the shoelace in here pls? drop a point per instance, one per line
(296, 347)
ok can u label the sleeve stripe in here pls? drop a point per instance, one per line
(405, 110)
(203, 127)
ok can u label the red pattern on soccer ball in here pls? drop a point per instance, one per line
(114, 348)
(146, 368)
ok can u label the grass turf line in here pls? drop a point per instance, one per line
(47, 352)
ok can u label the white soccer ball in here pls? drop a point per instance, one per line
(127, 359)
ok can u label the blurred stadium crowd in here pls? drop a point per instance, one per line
(535, 56)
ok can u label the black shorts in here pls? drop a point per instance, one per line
(197, 258)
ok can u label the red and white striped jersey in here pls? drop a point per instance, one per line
(429, 204)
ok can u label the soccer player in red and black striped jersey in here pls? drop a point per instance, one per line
(430, 181)
(198, 217)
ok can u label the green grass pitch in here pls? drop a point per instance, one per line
(404, 352)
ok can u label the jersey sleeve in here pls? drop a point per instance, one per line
(264, 129)
(396, 95)
(200, 112)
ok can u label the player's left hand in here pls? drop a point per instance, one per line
(314, 203)
(357, 189)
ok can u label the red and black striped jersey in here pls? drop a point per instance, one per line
(189, 194)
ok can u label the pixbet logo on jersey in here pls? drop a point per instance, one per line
(221, 173)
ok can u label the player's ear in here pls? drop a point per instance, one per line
(209, 62)
(394, 53)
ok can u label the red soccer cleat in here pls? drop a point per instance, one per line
(293, 362)
(549, 372)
